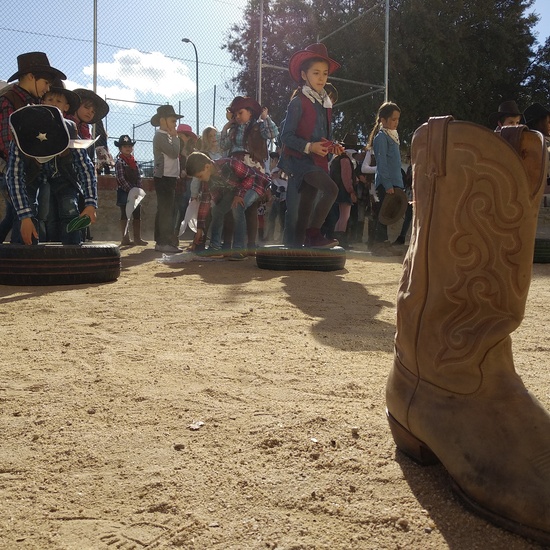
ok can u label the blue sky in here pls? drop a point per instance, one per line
(140, 53)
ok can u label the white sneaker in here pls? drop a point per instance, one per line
(167, 248)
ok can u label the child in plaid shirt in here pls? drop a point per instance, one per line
(232, 186)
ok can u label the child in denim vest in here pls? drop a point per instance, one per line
(306, 143)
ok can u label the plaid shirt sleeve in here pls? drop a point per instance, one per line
(86, 176)
(268, 129)
(248, 178)
(16, 182)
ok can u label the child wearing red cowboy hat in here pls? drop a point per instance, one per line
(245, 137)
(306, 136)
(246, 132)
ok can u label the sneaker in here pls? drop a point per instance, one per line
(237, 257)
(213, 253)
(167, 248)
(319, 241)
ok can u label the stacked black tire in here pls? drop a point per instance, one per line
(281, 258)
(55, 264)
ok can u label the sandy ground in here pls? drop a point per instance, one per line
(217, 405)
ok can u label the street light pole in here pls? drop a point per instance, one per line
(187, 41)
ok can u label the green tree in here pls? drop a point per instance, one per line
(459, 57)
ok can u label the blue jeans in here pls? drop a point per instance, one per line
(65, 194)
(239, 234)
(10, 221)
(218, 212)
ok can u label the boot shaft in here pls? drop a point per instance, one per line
(468, 267)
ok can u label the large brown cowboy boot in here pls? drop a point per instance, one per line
(453, 395)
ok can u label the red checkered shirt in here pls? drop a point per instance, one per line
(232, 174)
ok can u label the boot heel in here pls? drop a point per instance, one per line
(409, 444)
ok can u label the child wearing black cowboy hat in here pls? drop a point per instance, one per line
(166, 150)
(508, 114)
(41, 148)
(31, 81)
(48, 210)
(127, 177)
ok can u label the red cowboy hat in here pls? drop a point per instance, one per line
(313, 51)
(241, 102)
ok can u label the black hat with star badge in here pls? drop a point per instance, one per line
(40, 132)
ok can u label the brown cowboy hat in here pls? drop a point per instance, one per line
(73, 99)
(35, 63)
(101, 106)
(164, 111)
(393, 207)
(241, 102)
(350, 141)
(507, 108)
(535, 112)
(313, 51)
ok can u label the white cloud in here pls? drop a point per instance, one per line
(132, 72)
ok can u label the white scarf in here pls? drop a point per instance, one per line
(391, 133)
(314, 96)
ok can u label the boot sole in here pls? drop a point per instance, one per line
(416, 449)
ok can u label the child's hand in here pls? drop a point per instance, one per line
(265, 113)
(236, 201)
(89, 211)
(28, 231)
(319, 148)
(337, 149)
(229, 115)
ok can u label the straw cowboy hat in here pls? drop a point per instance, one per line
(186, 130)
(123, 140)
(73, 99)
(164, 111)
(35, 63)
(101, 106)
(241, 102)
(393, 207)
(507, 108)
(40, 132)
(313, 51)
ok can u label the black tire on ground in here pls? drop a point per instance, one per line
(282, 258)
(55, 264)
(542, 251)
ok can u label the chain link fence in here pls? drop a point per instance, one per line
(142, 61)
